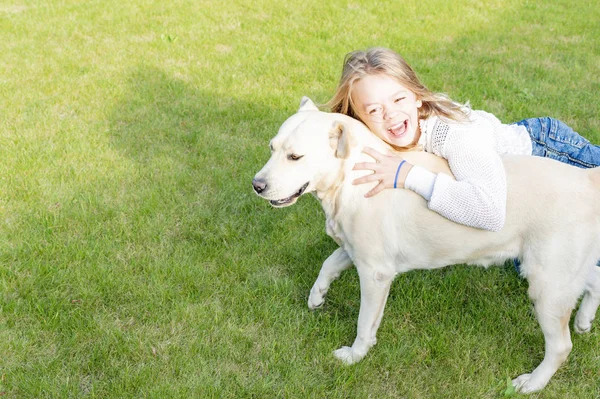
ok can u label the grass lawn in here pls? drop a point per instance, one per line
(135, 261)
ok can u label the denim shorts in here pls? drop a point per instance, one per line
(552, 138)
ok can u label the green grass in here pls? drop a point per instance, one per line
(135, 261)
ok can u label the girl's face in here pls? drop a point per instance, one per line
(389, 109)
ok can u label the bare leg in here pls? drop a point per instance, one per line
(335, 264)
(589, 303)
(374, 290)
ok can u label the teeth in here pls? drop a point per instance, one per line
(290, 198)
(396, 127)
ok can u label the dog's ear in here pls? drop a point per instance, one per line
(341, 140)
(306, 104)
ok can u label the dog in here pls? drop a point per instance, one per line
(552, 225)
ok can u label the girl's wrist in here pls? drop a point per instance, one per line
(402, 173)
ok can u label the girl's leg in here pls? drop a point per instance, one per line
(552, 138)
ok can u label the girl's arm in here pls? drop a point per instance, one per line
(477, 198)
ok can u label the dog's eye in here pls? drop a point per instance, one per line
(294, 157)
(271, 147)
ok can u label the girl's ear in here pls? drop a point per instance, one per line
(306, 104)
(419, 103)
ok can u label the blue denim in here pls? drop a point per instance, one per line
(552, 138)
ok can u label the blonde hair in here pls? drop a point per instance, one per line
(379, 60)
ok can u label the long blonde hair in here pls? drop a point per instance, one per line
(379, 60)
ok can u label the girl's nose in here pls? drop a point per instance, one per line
(389, 113)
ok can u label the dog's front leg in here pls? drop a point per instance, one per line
(374, 291)
(333, 266)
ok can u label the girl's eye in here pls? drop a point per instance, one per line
(294, 157)
(374, 111)
(399, 99)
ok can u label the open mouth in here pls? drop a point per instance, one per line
(289, 200)
(399, 129)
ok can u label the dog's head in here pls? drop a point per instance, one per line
(306, 154)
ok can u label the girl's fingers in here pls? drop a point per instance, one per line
(380, 187)
(365, 179)
(365, 166)
(373, 153)
(384, 170)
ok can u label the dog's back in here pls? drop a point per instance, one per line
(541, 209)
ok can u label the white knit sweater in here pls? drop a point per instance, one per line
(477, 197)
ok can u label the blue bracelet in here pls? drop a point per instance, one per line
(397, 172)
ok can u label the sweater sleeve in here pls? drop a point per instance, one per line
(477, 198)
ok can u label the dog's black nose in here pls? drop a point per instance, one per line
(259, 185)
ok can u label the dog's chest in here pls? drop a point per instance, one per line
(334, 231)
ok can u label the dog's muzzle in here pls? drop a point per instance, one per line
(260, 186)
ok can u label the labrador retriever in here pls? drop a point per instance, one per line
(552, 226)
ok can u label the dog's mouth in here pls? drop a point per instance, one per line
(291, 199)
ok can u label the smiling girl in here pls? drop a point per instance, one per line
(380, 89)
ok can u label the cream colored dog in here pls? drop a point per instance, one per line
(552, 225)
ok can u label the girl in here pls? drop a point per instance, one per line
(380, 89)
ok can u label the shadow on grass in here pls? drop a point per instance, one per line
(198, 152)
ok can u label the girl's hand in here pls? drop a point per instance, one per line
(384, 170)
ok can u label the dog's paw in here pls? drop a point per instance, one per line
(582, 327)
(347, 355)
(526, 384)
(583, 324)
(316, 299)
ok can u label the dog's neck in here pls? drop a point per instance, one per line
(327, 191)
(330, 191)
